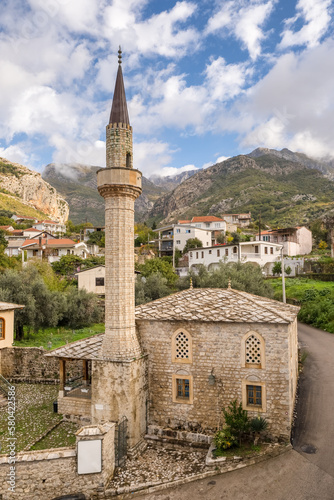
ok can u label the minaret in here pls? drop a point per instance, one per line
(119, 383)
(119, 184)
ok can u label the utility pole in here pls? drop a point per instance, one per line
(260, 226)
(283, 277)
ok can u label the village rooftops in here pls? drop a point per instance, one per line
(204, 218)
(196, 304)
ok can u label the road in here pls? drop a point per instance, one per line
(296, 475)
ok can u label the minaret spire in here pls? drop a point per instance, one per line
(119, 110)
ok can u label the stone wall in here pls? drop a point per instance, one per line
(217, 350)
(29, 364)
(50, 473)
(75, 407)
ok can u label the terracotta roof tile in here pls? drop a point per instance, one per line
(207, 218)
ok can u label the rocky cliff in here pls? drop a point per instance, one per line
(78, 184)
(29, 186)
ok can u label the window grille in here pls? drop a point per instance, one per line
(182, 388)
(182, 346)
(253, 351)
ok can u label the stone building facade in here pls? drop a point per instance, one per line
(223, 345)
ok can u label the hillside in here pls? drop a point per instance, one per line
(78, 184)
(24, 192)
(287, 192)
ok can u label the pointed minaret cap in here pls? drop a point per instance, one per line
(119, 109)
(229, 284)
(191, 284)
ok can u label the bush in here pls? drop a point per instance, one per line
(224, 439)
(236, 418)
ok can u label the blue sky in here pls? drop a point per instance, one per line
(205, 80)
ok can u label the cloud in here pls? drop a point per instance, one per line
(172, 171)
(243, 20)
(151, 156)
(315, 14)
(292, 106)
(15, 153)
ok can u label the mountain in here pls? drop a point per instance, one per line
(287, 188)
(78, 184)
(170, 182)
(326, 166)
(24, 192)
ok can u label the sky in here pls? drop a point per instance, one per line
(205, 79)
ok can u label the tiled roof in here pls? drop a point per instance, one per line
(183, 221)
(32, 230)
(217, 304)
(51, 242)
(198, 304)
(7, 306)
(207, 218)
(81, 349)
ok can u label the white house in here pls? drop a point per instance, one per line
(92, 279)
(175, 236)
(53, 249)
(295, 240)
(53, 227)
(261, 253)
(208, 222)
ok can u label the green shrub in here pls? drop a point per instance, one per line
(224, 439)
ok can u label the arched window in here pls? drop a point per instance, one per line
(181, 347)
(253, 350)
(2, 328)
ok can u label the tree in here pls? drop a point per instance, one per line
(97, 238)
(236, 419)
(67, 264)
(192, 243)
(151, 288)
(159, 266)
(277, 268)
(82, 309)
(322, 245)
(243, 276)
(221, 238)
(43, 307)
(288, 270)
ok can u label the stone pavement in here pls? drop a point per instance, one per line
(159, 465)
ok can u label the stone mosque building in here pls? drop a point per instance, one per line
(169, 366)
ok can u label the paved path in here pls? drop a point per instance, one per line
(296, 475)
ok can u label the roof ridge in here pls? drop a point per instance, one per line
(242, 292)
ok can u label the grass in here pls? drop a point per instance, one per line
(50, 338)
(295, 288)
(33, 415)
(316, 300)
(239, 451)
(61, 436)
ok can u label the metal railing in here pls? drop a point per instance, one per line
(5, 386)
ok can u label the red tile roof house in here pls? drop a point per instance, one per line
(52, 249)
(50, 225)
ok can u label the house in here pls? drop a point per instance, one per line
(90, 230)
(13, 248)
(258, 252)
(22, 219)
(295, 240)
(175, 236)
(53, 249)
(51, 226)
(241, 220)
(32, 233)
(7, 228)
(167, 368)
(208, 222)
(92, 280)
(7, 323)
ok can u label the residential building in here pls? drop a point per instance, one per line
(53, 249)
(207, 222)
(241, 220)
(23, 218)
(295, 240)
(7, 324)
(92, 280)
(13, 248)
(259, 252)
(175, 236)
(53, 227)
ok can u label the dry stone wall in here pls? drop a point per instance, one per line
(29, 364)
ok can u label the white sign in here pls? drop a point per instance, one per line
(89, 456)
